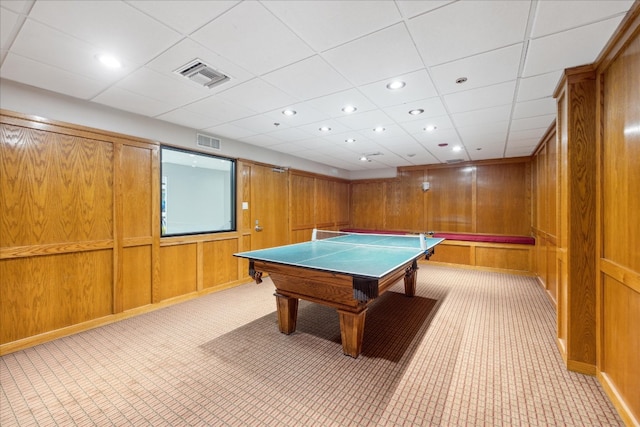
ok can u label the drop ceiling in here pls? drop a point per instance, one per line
(315, 57)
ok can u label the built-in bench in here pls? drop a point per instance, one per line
(487, 251)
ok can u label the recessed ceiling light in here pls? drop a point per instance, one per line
(289, 112)
(457, 148)
(430, 128)
(416, 111)
(379, 129)
(110, 61)
(461, 80)
(396, 84)
(349, 109)
(364, 159)
(350, 140)
(324, 129)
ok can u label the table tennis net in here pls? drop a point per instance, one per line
(411, 241)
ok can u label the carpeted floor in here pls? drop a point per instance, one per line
(471, 348)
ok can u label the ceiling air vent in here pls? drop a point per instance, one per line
(202, 74)
(208, 141)
(455, 161)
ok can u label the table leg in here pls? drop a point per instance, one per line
(352, 331)
(287, 313)
(410, 280)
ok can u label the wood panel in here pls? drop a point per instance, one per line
(44, 293)
(452, 253)
(451, 199)
(512, 258)
(55, 188)
(303, 201)
(342, 196)
(325, 205)
(135, 170)
(621, 341)
(178, 271)
(405, 202)
(136, 277)
(503, 204)
(220, 266)
(368, 204)
(618, 229)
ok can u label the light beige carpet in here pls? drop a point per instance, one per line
(471, 348)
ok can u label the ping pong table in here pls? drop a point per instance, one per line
(342, 270)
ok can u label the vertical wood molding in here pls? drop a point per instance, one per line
(117, 229)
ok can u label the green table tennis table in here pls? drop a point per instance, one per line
(341, 270)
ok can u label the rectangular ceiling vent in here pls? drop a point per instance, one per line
(202, 74)
(455, 161)
(208, 141)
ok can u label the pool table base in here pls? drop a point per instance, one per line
(330, 289)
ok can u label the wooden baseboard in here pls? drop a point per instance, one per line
(614, 396)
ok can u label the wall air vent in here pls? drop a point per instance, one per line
(455, 161)
(208, 141)
(202, 74)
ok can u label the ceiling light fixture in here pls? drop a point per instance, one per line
(110, 61)
(457, 148)
(349, 109)
(430, 128)
(364, 159)
(324, 129)
(379, 129)
(461, 80)
(416, 111)
(396, 84)
(289, 112)
(350, 140)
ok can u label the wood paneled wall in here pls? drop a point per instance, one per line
(317, 201)
(492, 197)
(618, 219)
(544, 212)
(80, 238)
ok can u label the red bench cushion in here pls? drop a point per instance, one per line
(466, 237)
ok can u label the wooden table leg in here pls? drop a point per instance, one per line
(287, 313)
(410, 280)
(352, 331)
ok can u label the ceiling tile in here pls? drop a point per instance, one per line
(482, 117)
(187, 118)
(309, 78)
(365, 121)
(63, 52)
(161, 87)
(219, 109)
(418, 86)
(540, 86)
(8, 21)
(532, 122)
(527, 134)
(111, 26)
(418, 127)
(484, 97)
(384, 54)
(536, 107)
(570, 48)
(305, 114)
(37, 74)
(129, 101)
(326, 24)
(314, 128)
(555, 16)
(250, 36)
(331, 105)
(481, 70)
(290, 134)
(432, 108)
(256, 95)
(258, 124)
(184, 16)
(411, 8)
(467, 28)
(227, 130)
(17, 6)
